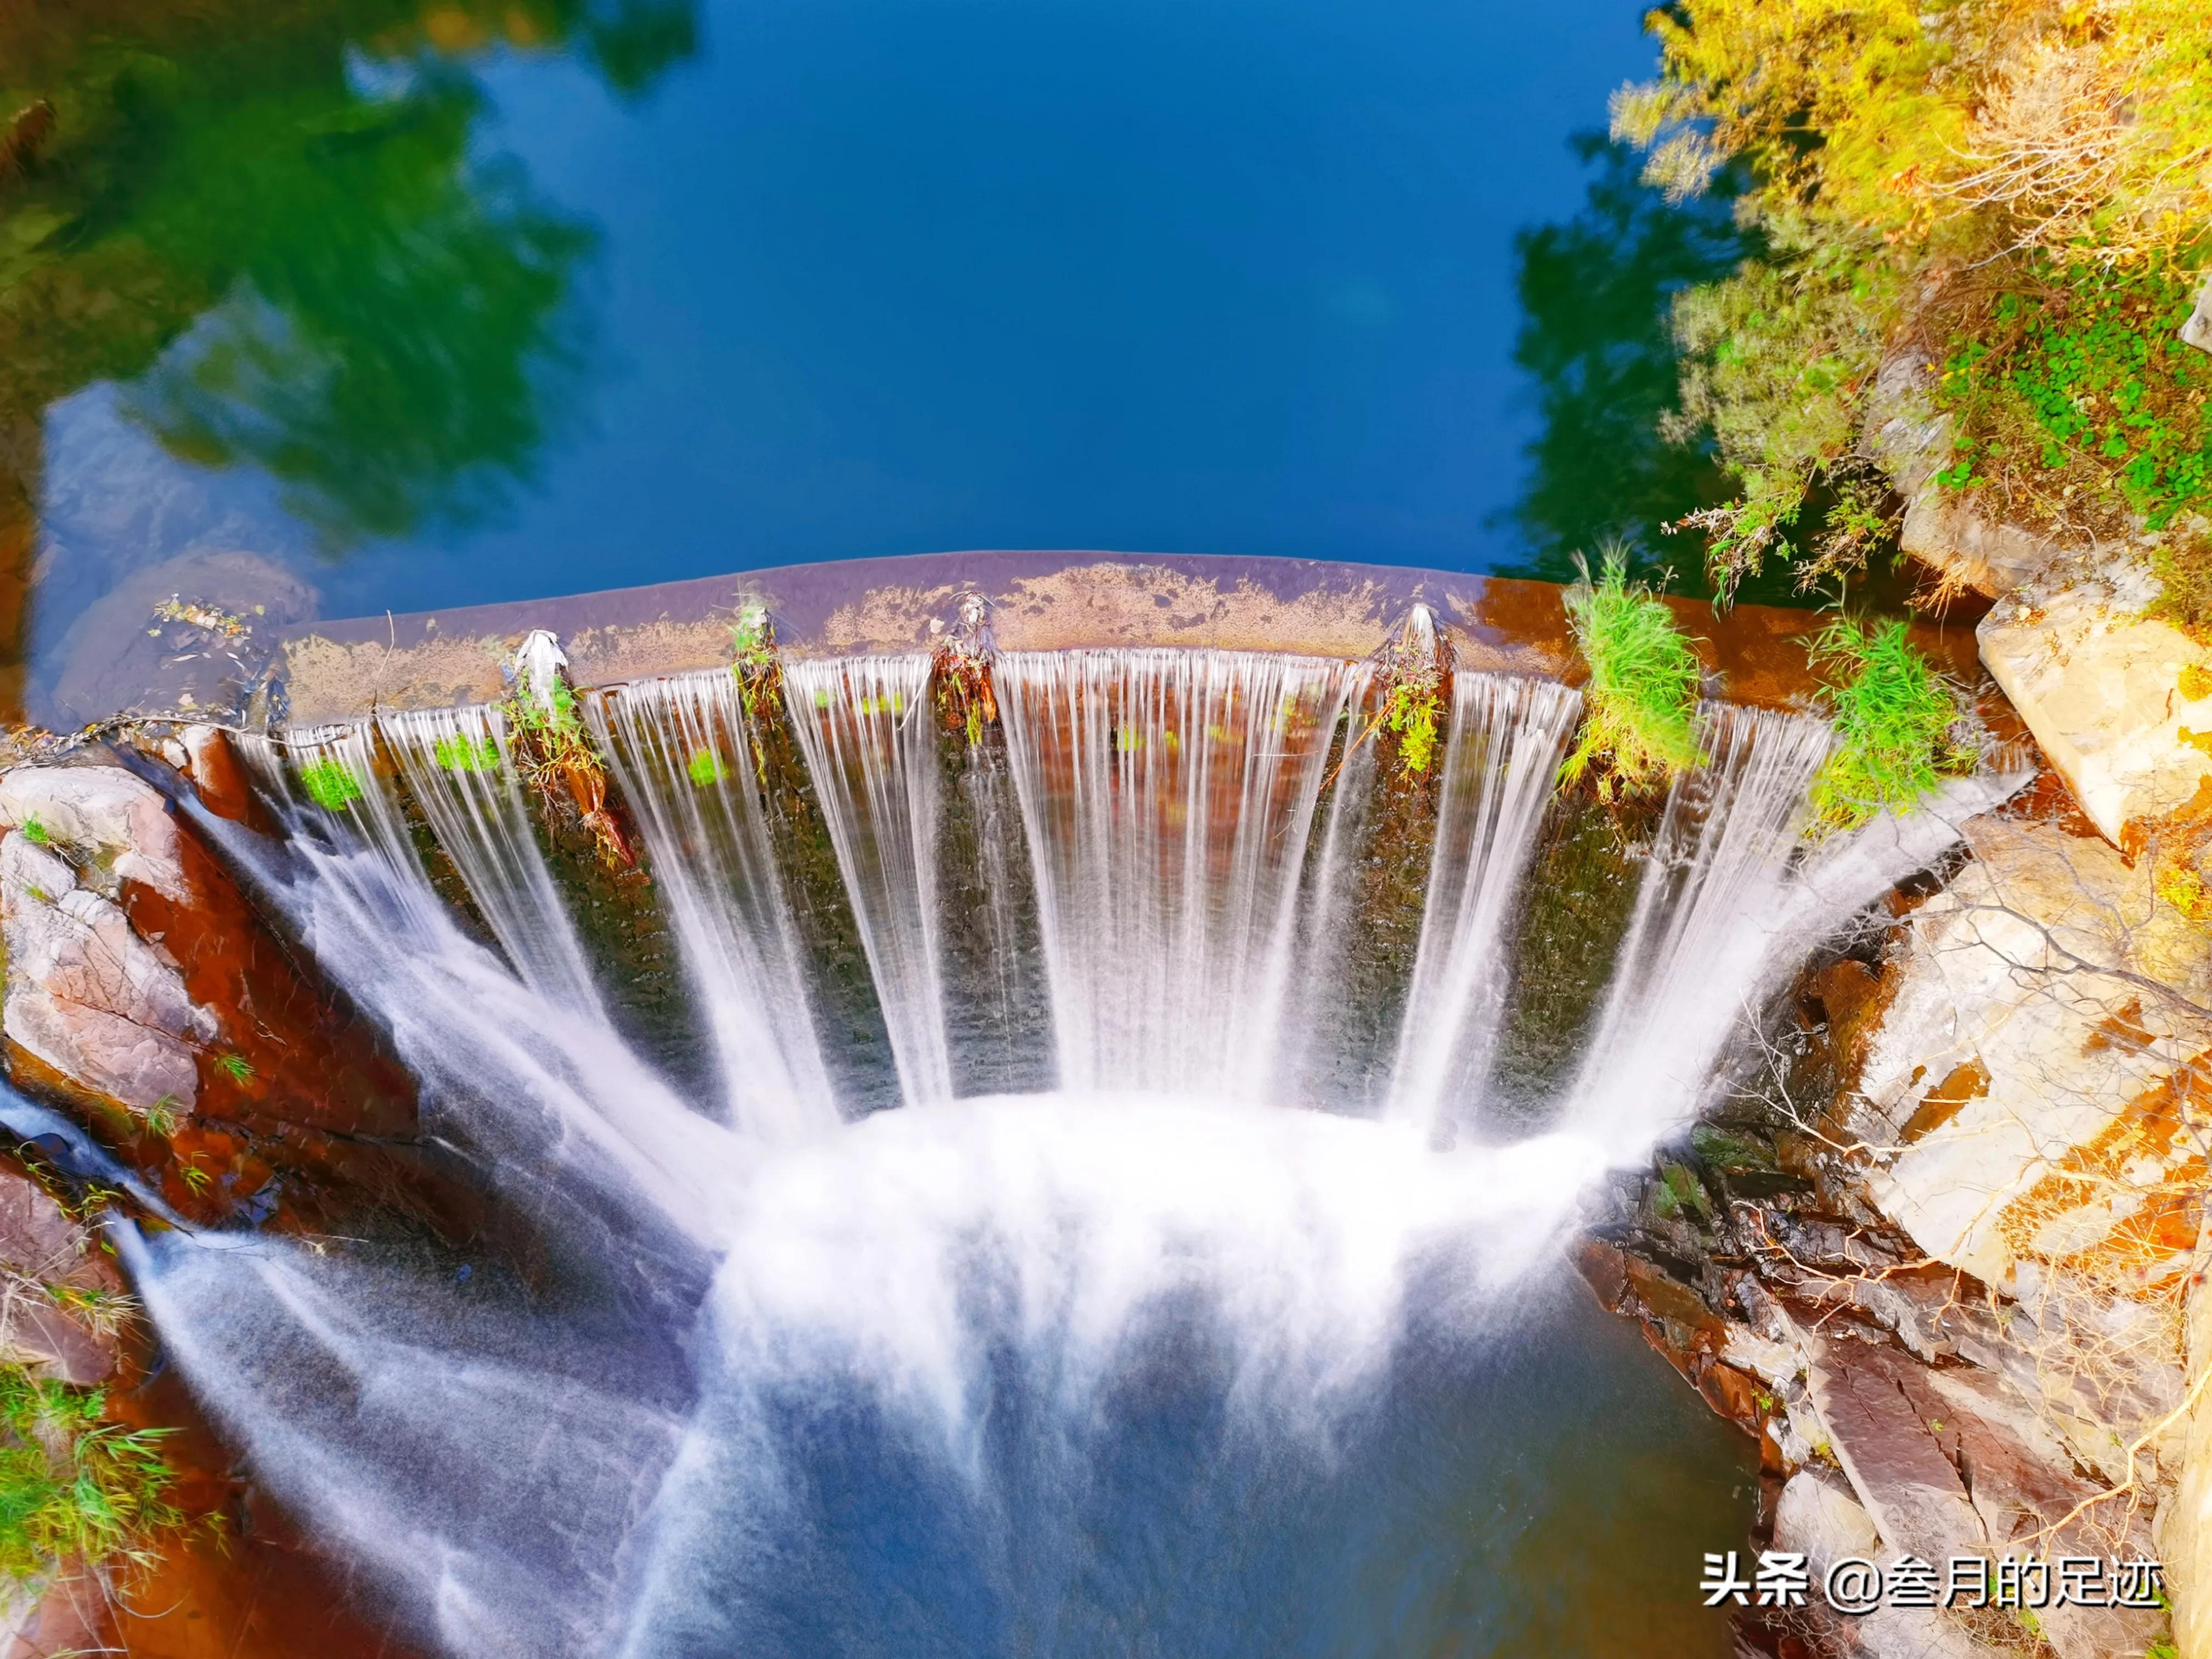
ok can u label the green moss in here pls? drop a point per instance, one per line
(1680, 1193)
(72, 1484)
(330, 784)
(462, 753)
(1894, 719)
(707, 769)
(1640, 708)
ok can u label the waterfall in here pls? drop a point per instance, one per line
(867, 729)
(1507, 737)
(372, 820)
(1167, 797)
(1326, 1063)
(1713, 891)
(998, 1012)
(682, 749)
(460, 766)
(779, 1383)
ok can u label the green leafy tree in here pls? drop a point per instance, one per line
(1920, 178)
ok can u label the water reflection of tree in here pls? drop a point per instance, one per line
(269, 218)
(1596, 295)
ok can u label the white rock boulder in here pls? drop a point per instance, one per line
(2103, 688)
(105, 817)
(85, 994)
(2045, 1025)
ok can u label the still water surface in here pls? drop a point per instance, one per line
(439, 305)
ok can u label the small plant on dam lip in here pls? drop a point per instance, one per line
(462, 753)
(1639, 729)
(758, 671)
(1896, 723)
(1411, 713)
(554, 753)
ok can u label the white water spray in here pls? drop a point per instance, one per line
(869, 733)
(1167, 797)
(683, 753)
(460, 766)
(1507, 735)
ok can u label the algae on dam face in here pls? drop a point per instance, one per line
(1580, 892)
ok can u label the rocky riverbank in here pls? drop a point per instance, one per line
(1944, 1251)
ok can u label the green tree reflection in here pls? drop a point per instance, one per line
(1596, 293)
(268, 218)
(395, 322)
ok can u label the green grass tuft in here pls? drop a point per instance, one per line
(1894, 716)
(330, 784)
(1640, 708)
(72, 1484)
(37, 833)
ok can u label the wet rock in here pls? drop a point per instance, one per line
(62, 1613)
(41, 1248)
(2103, 688)
(1819, 1518)
(86, 994)
(1948, 1463)
(1942, 530)
(109, 822)
(1882, 1438)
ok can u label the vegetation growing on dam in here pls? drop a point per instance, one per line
(1895, 719)
(1639, 728)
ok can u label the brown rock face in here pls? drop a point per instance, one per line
(145, 992)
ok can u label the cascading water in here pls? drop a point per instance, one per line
(460, 766)
(683, 753)
(1005, 1375)
(1684, 976)
(1507, 737)
(868, 732)
(1325, 1062)
(1167, 797)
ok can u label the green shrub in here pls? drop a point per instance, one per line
(2073, 387)
(1411, 712)
(72, 1484)
(1894, 719)
(1640, 708)
(330, 783)
(2014, 185)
